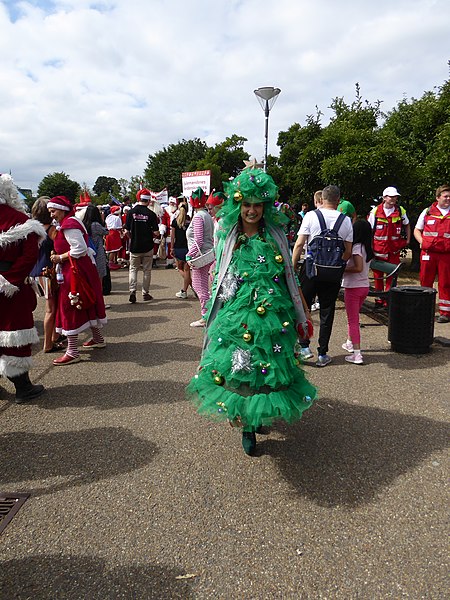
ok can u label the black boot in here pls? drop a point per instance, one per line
(249, 442)
(25, 390)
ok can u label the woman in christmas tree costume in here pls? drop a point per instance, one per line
(250, 373)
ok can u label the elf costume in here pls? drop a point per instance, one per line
(20, 238)
(250, 372)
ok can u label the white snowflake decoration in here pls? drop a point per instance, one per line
(229, 287)
(241, 361)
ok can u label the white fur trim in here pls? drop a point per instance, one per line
(7, 288)
(18, 338)
(97, 323)
(12, 366)
(9, 194)
(58, 206)
(21, 232)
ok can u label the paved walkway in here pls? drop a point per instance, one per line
(133, 495)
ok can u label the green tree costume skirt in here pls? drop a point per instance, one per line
(250, 372)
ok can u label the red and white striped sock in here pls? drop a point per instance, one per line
(97, 336)
(72, 346)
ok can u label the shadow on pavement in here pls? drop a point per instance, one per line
(342, 454)
(134, 324)
(107, 396)
(75, 577)
(395, 361)
(407, 362)
(73, 458)
(146, 353)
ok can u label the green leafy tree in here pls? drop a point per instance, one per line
(350, 152)
(134, 186)
(421, 128)
(105, 185)
(164, 168)
(297, 172)
(58, 184)
(225, 160)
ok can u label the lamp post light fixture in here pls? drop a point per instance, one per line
(266, 97)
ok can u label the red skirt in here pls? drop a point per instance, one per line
(113, 241)
(69, 319)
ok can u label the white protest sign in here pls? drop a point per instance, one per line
(194, 179)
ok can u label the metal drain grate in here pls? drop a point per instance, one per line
(9, 505)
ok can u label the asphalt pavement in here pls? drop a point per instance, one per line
(133, 495)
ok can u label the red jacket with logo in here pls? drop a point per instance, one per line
(387, 236)
(436, 232)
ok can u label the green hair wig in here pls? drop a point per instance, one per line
(254, 186)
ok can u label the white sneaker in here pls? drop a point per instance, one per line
(356, 359)
(315, 306)
(306, 353)
(181, 294)
(199, 323)
(348, 346)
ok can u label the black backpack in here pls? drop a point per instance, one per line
(324, 256)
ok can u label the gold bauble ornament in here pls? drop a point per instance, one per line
(279, 258)
(261, 310)
(286, 324)
(218, 380)
(238, 196)
(247, 336)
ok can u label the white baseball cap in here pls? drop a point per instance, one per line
(391, 191)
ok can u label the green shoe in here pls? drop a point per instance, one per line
(249, 442)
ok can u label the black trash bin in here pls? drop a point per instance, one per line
(411, 318)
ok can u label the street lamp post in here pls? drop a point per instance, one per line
(266, 97)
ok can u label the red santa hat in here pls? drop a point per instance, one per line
(114, 209)
(144, 195)
(60, 203)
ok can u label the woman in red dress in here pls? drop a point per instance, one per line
(72, 242)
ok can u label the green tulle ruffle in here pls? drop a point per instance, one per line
(250, 371)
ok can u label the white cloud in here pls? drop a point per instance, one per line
(93, 88)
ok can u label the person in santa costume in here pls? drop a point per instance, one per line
(113, 241)
(168, 215)
(432, 231)
(71, 244)
(155, 206)
(124, 254)
(20, 238)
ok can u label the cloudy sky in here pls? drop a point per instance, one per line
(92, 88)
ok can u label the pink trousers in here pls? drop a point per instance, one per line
(354, 298)
(200, 283)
